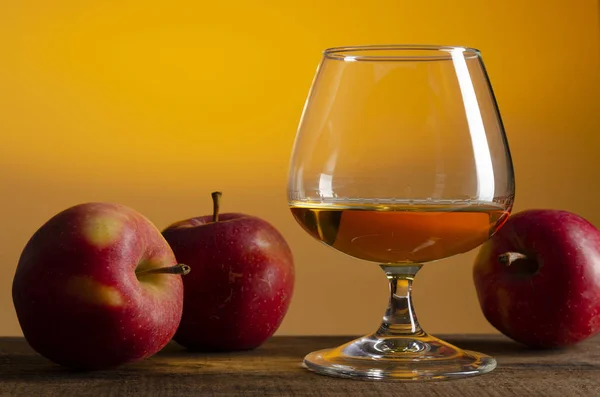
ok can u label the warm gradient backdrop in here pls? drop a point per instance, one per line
(156, 104)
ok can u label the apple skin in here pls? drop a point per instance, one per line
(242, 282)
(77, 296)
(551, 298)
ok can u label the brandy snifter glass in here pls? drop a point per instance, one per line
(401, 159)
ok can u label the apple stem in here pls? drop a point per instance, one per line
(216, 196)
(509, 257)
(180, 268)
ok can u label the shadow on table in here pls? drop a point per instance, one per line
(38, 369)
(492, 346)
(173, 359)
(501, 346)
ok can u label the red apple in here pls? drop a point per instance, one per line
(91, 289)
(538, 278)
(242, 282)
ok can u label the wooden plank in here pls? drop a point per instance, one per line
(275, 370)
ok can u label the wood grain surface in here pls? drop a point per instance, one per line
(275, 370)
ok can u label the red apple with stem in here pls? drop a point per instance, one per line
(97, 286)
(538, 278)
(242, 282)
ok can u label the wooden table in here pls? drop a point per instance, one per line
(275, 370)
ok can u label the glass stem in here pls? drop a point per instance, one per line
(400, 318)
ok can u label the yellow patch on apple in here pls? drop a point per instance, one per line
(90, 291)
(484, 267)
(102, 230)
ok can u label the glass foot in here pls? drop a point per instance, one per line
(399, 358)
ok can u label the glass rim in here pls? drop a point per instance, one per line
(405, 52)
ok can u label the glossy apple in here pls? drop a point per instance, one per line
(538, 278)
(91, 289)
(242, 282)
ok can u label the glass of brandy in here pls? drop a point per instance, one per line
(401, 159)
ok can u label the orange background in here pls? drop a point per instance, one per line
(154, 105)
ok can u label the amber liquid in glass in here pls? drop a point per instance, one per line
(400, 233)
